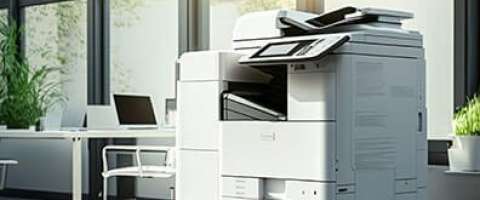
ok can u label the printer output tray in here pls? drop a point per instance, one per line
(238, 108)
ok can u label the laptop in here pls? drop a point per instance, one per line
(135, 111)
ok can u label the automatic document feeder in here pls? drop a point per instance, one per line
(305, 107)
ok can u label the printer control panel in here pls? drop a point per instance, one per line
(295, 51)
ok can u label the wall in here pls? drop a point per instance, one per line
(434, 19)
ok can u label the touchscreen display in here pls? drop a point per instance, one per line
(278, 50)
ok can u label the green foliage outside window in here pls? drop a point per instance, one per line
(246, 6)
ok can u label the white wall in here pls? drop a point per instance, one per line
(434, 19)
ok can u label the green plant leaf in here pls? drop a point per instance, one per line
(26, 91)
(467, 120)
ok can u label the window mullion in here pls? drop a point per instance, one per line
(98, 52)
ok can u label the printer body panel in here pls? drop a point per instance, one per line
(269, 150)
(312, 103)
(198, 175)
(377, 121)
(205, 93)
(199, 125)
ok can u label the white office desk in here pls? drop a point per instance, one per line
(77, 137)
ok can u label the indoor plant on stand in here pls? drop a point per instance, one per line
(464, 155)
(27, 92)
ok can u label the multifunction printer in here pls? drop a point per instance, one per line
(305, 107)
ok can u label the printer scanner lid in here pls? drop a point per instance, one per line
(285, 23)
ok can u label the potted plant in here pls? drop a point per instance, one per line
(465, 153)
(27, 92)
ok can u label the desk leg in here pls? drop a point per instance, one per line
(77, 169)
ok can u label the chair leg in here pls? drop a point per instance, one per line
(105, 188)
(4, 177)
(172, 193)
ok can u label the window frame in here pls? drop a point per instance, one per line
(466, 72)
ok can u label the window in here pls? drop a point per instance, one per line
(144, 48)
(439, 52)
(55, 36)
(224, 13)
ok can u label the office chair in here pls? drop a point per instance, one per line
(139, 170)
(4, 164)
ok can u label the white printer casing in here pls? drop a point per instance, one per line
(353, 125)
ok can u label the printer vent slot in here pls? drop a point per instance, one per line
(374, 152)
(402, 92)
(370, 119)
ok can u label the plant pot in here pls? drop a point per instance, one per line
(465, 154)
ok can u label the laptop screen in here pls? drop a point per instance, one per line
(134, 110)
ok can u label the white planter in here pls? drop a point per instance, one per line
(465, 154)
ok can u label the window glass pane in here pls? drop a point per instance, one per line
(144, 48)
(55, 36)
(224, 13)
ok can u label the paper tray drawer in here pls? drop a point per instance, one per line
(244, 188)
(296, 150)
